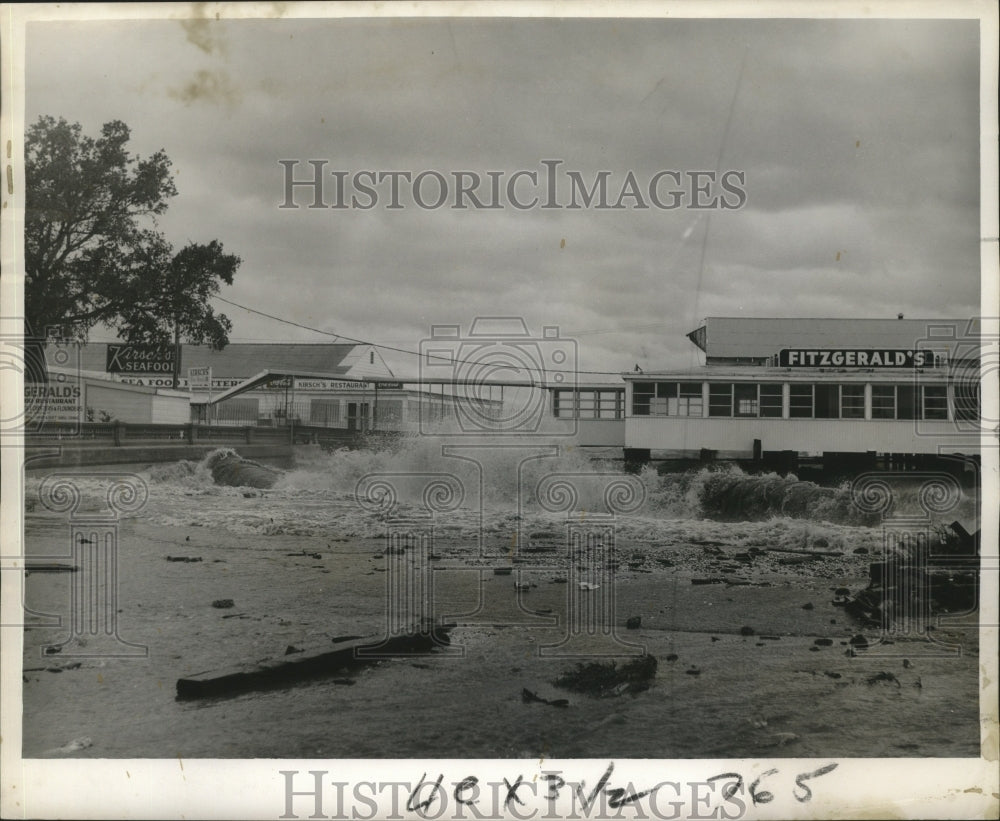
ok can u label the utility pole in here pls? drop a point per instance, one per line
(177, 351)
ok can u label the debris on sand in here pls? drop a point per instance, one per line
(605, 679)
(883, 676)
(73, 746)
(529, 697)
(912, 578)
(311, 663)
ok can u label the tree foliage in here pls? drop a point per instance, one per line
(93, 253)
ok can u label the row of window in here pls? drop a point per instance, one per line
(805, 401)
(588, 404)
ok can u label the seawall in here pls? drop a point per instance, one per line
(62, 455)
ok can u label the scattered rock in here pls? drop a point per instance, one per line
(634, 622)
(291, 648)
(184, 558)
(693, 671)
(529, 697)
(807, 606)
(823, 642)
(502, 571)
(223, 604)
(746, 630)
(831, 674)
(883, 676)
(603, 679)
(714, 638)
(708, 581)
(859, 642)
(814, 649)
(672, 657)
(861, 551)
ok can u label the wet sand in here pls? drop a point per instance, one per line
(765, 694)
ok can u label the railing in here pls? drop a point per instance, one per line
(119, 434)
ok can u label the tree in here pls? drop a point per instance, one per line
(93, 253)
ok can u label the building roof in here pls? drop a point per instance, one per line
(722, 373)
(244, 359)
(727, 337)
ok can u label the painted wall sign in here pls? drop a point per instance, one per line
(853, 358)
(141, 358)
(51, 402)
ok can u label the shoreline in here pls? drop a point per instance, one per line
(751, 692)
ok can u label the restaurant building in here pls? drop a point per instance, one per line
(346, 386)
(852, 392)
(901, 391)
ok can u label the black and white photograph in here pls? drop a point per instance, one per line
(500, 410)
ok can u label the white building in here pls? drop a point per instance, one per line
(827, 388)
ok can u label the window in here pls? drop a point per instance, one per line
(610, 404)
(569, 404)
(642, 396)
(770, 401)
(852, 401)
(720, 399)
(883, 401)
(667, 399)
(826, 401)
(906, 403)
(967, 401)
(800, 401)
(900, 402)
(562, 404)
(935, 402)
(745, 400)
(690, 402)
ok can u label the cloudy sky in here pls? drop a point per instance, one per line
(859, 141)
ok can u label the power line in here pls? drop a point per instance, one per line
(406, 351)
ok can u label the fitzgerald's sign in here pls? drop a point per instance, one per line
(854, 358)
(142, 358)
